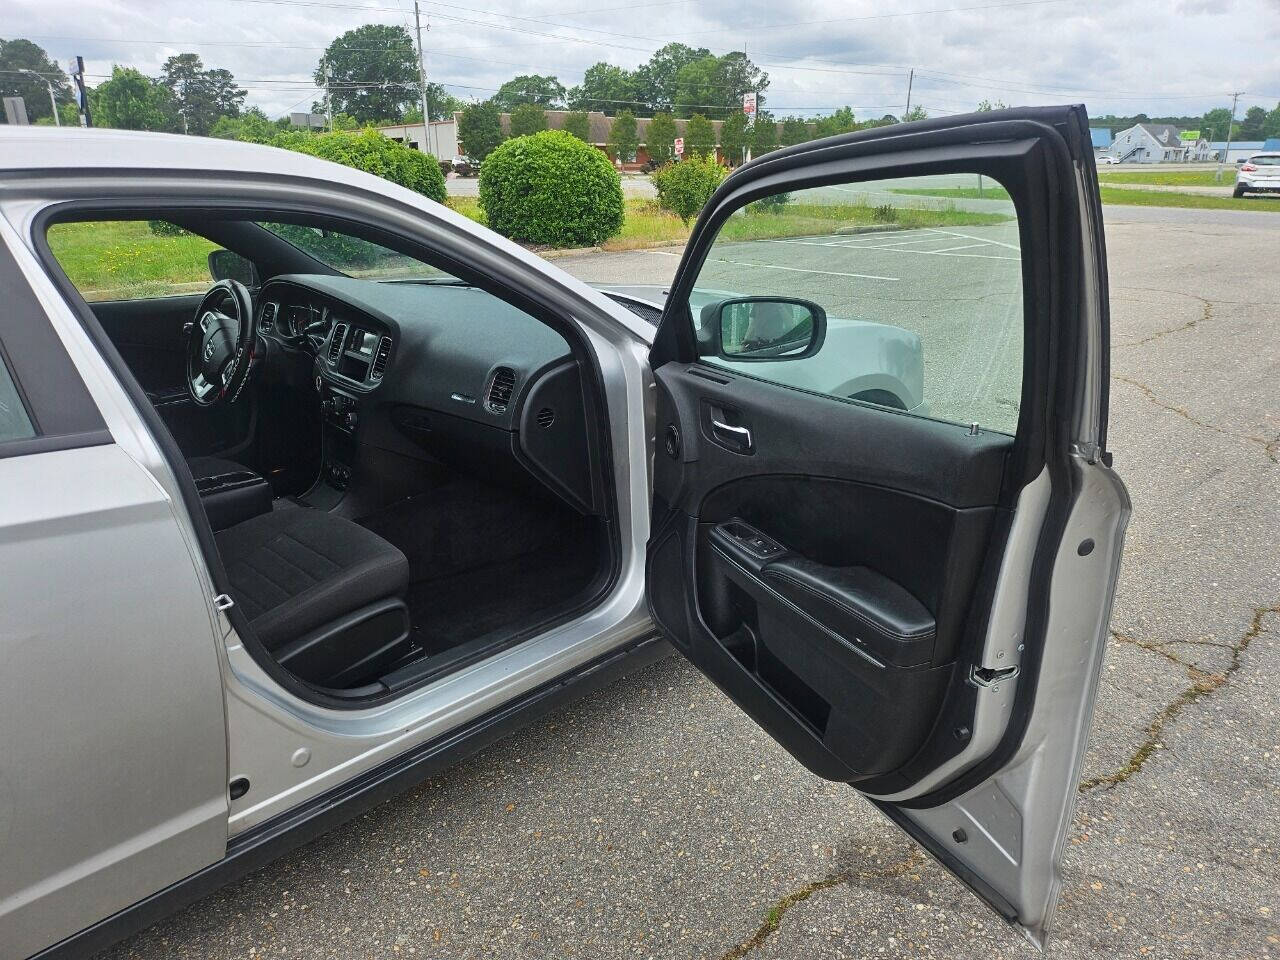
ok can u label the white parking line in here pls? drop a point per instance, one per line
(825, 273)
(965, 236)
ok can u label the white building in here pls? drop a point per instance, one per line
(1151, 143)
(440, 138)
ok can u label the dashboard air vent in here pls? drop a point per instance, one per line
(546, 417)
(501, 387)
(336, 342)
(268, 320)
(380, 358)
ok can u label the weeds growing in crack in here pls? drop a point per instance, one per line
(773, 919)
(1270, 447)
(1202, 684)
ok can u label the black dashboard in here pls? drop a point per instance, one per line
(438, 370)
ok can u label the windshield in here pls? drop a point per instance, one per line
(355, 257)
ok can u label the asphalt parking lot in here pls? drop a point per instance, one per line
(653, 820)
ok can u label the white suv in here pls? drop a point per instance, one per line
(1259, 174)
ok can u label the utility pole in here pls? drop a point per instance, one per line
(422, 83)
(183, 109)
(328, 104)
(1226, 153)
(82, 95)
(911, 76)
(53, 101)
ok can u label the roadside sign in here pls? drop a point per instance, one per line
(749, 104)
(679, 146)
(15, 111)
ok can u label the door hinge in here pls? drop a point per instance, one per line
(990, 676)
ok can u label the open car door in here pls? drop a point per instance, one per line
(885, 522)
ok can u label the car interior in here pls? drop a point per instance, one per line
(400, 468)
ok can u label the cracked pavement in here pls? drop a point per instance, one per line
(653, 820)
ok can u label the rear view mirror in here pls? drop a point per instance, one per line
(228, 265)
(762, 328)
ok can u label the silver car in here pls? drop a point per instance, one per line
(310, 487)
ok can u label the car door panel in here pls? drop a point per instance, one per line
(839, 596)
(149, 335)
(870, 585)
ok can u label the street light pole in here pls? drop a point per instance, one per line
(53, 101)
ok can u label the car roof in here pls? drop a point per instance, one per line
(1269, 153)
(54, 149)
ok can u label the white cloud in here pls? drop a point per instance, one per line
(1120, 56)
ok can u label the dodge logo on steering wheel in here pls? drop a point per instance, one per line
(208, 350)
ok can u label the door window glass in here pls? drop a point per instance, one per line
(131, 259)
(920, 280)
(15, 424)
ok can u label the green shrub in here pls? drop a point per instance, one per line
(373, 153)
(551, 188)
(684, 188)
(163, 228)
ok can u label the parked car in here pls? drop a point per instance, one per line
(392, 486)
(1259, 174)
(463, 166)
(1107, 159)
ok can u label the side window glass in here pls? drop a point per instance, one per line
(15, 424)
(903, 293)
(131, 259)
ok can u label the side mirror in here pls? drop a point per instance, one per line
(227, 265)
(762, 328)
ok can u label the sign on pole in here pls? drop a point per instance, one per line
(679, 146)
(749, 107)
(15, 111)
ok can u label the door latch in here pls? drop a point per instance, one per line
(223, 602)
(990, 676)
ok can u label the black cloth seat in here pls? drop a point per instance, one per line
(293, 571)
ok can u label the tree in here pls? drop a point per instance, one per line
(252, 125)
(578, 124)
(764, 134)
(986, 106)
(606, 88)
(838, 122)
(888, 120)
(622, 136)
(659, 140)
(715, 85)
(1272, 126)
(656, 78)
(699, 137)
(480, 129)
(915, 113)
(1214, 122)
(794, 130)
(527, 119)
(19, 55)
(201, 96)
(734, 138)
(1255, 119)
(529, 88)
(442, 103)
(372, 72)
(131, 101)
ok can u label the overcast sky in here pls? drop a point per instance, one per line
(1161, 57)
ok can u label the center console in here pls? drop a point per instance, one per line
(340, 413)
(233, 497)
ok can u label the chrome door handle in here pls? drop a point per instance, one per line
(741, 434)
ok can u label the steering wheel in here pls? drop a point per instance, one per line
(220, 344)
